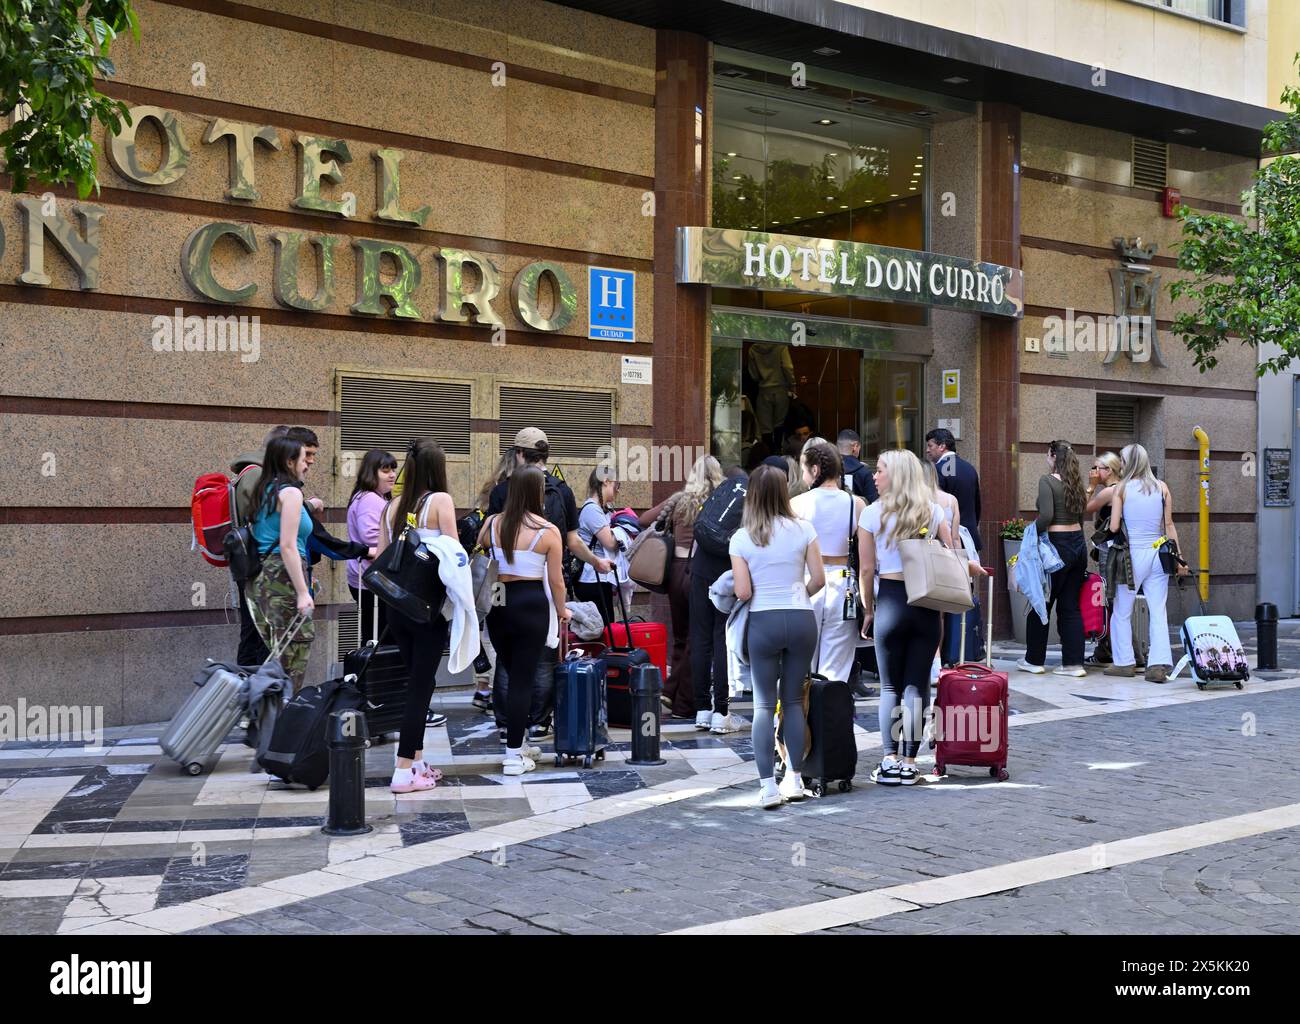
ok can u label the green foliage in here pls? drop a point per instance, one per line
(1012, 529)
(1246, 279)
(50, 53)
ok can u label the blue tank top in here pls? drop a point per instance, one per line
(266, 529)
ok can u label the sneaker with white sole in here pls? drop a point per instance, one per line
(768, 795)
(517, 765)
(792, 786)
(704, 719)
(1024, 666)
(1076, 671)
(908, 774)
(888, 773)
(721, 724)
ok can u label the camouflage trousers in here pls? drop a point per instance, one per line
(273, 604)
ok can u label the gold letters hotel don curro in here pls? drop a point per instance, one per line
(388, 274)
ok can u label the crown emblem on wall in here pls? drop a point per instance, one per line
(1133, 249)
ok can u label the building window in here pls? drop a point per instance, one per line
(1230, 12)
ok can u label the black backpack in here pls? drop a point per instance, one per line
(553, 507)
(468, 527)
(720, 518)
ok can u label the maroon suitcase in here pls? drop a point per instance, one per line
(971, 712)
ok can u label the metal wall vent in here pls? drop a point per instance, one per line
(389, 413)
(1150, 163)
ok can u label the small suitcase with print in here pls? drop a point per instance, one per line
(1211, 649)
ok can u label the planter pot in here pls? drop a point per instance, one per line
(1019, 612)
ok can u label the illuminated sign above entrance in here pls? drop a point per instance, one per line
(736, 258)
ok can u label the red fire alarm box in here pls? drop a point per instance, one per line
(1172, 200)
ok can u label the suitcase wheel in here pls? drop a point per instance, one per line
(600, 754)
(586, 761)
(1239, 684)
(818, 788)
(939, 767)
(845, 785)
(194, 768)
(1001, 774)
(1200, 685)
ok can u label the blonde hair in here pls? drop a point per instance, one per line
(931, 475)
(1137, 467)
(702, 481)
(1112, 462)
(907, 500)
(766, 500)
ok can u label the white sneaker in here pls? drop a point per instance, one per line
(517, 765)
(1077, 671)
(727, 723)
(704, 719)
(768, 795)
(792, 786)
(533, 752)
(1024, 666)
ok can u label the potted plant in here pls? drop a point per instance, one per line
(1012, 531)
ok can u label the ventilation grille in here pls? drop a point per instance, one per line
(376, 412)
(1150, 163)
(576, 423)
(1117, 420)
(345, 634)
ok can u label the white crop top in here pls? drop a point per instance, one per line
(425, 532)
(777, 571)
(888, 560)
(830, 510)
(528, 564)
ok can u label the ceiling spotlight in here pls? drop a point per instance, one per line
(741, 198)
(826, 51)
(825, 120)
(736, 177)
(760, 111)
(923, 113)
(829, 198)
(911, 188)
(956, 80)
(731, 154)
(844, 206)
(832, 154)
(893, 195)
(1184, 131)
(821, 211)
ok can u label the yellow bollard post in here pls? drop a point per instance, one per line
(1204, 510)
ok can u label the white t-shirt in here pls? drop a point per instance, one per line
(591, 520)
(887, 557)
(777, 571)
(831, 513)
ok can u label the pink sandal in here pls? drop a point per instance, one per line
(427, 770)
(419, 782)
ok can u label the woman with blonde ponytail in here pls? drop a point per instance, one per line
(906, 636)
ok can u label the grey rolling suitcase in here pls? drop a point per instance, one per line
(1141, 630)
(213, 709)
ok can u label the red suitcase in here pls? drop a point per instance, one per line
(1092, 605)
(651, 637)
(971, 712)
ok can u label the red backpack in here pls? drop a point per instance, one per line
(212, 511)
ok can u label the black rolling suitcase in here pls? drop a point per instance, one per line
(619, 663)
(382, 677)
(833, 753)
(298, 750)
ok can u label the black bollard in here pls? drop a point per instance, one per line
(347, 736)
(646, 686)
(1266, 635)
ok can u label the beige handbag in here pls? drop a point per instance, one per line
(935, 576)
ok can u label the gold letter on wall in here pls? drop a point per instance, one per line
(315, 166)
(369, 288)
(454, 296)
(388, 190)
(196, 260)
(83, 252)
(524, 290)
(175, 154)
(284, 280)
(243, 139)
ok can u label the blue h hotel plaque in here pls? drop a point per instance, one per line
(611, 304)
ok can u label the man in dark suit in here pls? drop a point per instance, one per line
(957, 477)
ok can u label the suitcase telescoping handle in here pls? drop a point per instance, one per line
(627, 622)
(988, 636)
(283, 643)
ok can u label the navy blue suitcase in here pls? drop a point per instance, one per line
(581, 714)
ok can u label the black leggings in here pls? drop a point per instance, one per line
(421, 644)
(602, 594)
(518, 630)
(906, 639)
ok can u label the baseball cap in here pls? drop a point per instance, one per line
(530, 437)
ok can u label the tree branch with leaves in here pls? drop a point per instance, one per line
(50, 53)
(1246, 271)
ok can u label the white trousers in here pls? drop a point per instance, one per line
(837, 640)
(1154, 582)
